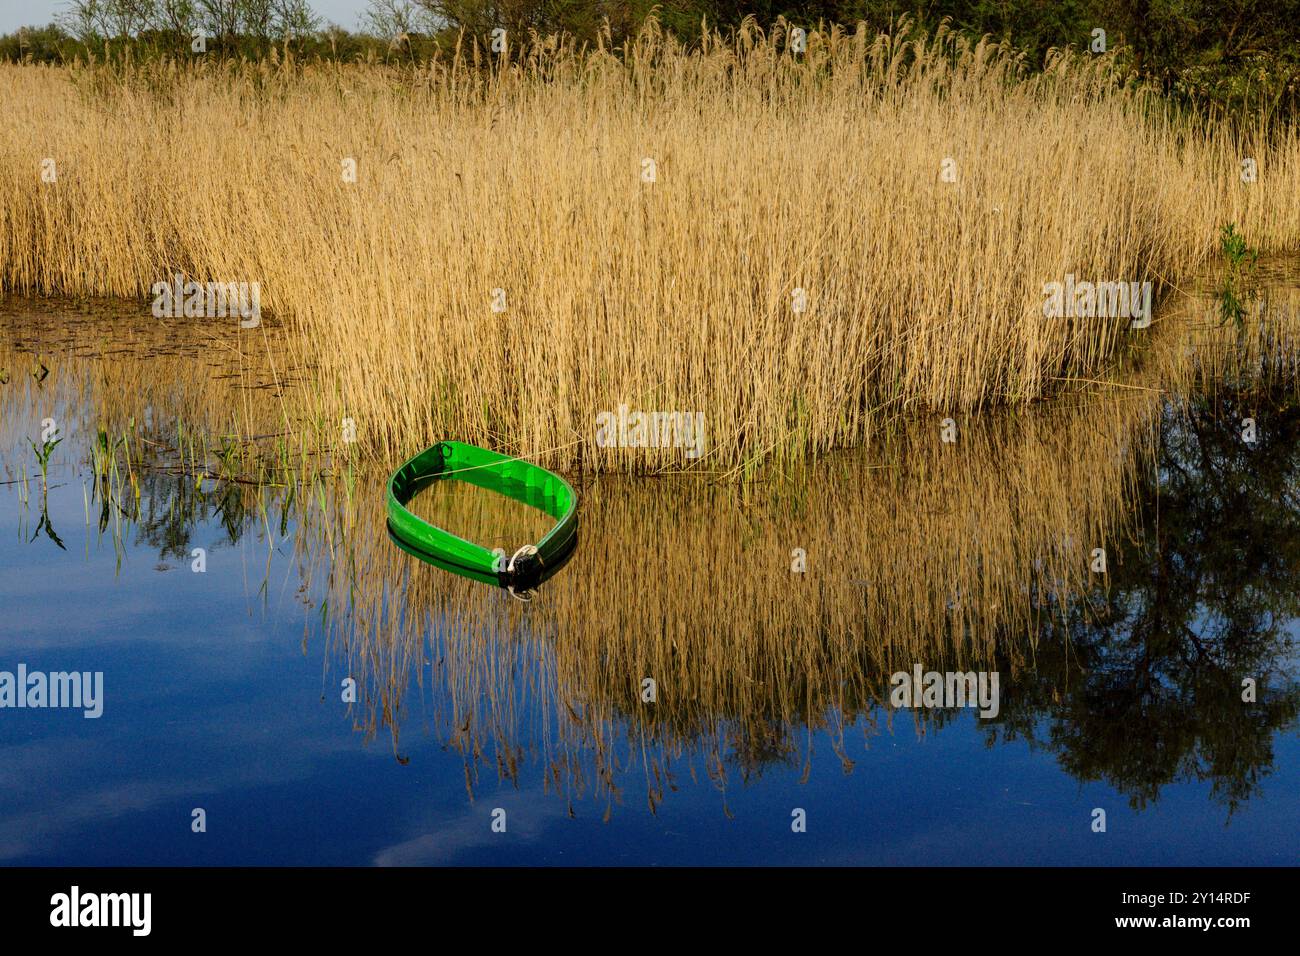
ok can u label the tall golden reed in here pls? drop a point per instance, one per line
(772, 173)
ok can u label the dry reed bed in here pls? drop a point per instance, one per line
(773, 173)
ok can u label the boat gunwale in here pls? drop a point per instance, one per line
(432, 464)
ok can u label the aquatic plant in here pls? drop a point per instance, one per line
(801, 247)
(1240, 261)
(43, 452)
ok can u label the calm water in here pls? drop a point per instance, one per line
(223, 690)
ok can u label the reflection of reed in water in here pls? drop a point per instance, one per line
(109, 362)
(941, 555)
(1212, 354)
(957, 556)
(172, 424)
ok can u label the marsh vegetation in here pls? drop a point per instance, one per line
(806, 247)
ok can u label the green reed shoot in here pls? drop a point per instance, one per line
(43, 453)
(1240, 261)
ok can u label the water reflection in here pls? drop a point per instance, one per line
(973, 556)
(1141, 685)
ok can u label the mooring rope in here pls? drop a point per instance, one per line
(498, 464)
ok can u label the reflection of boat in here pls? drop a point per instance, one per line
(491, 577)
(512, 477)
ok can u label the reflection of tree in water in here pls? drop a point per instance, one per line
(1154, 668)
(172, 504)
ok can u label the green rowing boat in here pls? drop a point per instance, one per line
(512, 477)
